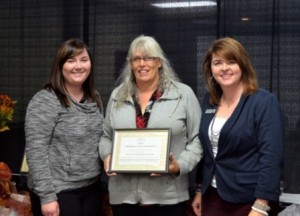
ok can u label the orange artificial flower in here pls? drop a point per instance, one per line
(6, 111)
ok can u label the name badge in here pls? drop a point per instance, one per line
(209, 111)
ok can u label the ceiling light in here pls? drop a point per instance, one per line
(185, 4)
(245, 19)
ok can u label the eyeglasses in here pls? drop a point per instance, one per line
(147, 59)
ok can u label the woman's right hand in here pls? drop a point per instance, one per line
(50, 209)
(197, 203)
(106, 166)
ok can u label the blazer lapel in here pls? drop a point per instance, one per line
(207, 116)
(231, 122)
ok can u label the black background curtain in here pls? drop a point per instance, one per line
(30, 33)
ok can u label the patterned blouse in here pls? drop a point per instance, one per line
(142, 120)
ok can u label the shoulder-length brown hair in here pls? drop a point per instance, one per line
(66, 50)
(229, 49)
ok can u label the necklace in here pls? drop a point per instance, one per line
(215, 129)
(214, 133)
(228, 105)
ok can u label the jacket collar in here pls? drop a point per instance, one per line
(170, 93)
(209, 113)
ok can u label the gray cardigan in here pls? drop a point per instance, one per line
(61, 145)
(179, 109)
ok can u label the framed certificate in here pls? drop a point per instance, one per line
(140, 150)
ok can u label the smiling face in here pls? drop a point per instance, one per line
(145, 68)
(76, 69)
(226, 72)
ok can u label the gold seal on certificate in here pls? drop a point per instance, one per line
(141, 150)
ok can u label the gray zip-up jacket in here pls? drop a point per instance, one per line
(61, 145)
(178, 109)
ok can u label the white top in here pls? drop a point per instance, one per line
(214, 130)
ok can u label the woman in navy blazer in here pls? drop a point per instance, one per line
(242, 135)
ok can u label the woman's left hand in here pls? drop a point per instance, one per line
(174, 167)
(257, 213)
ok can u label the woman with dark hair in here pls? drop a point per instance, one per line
(150, 96)
(241, 133)
(63, 127)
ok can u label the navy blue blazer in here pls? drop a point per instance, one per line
(249, 161)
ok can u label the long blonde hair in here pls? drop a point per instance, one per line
(150, 47)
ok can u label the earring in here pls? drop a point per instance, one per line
(212, 80)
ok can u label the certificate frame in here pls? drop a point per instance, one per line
(140, 150)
